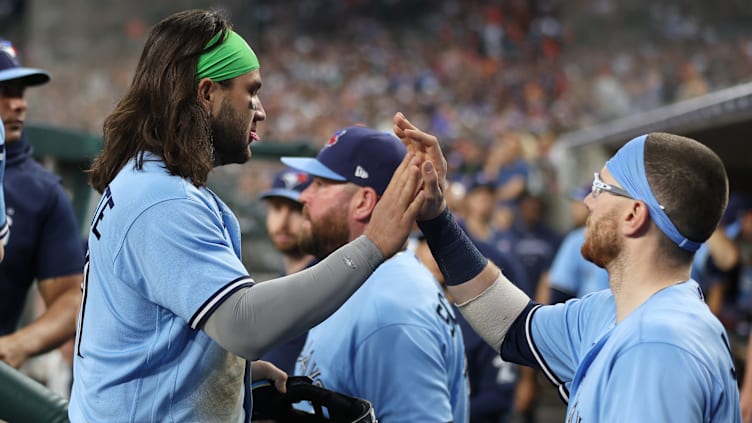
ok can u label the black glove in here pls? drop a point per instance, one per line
(329, 406)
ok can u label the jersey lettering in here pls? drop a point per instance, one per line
(309, 368)
(106, 202)
(446, 313)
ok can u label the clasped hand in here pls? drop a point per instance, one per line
(415, 192)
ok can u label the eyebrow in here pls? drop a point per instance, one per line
(255, 85)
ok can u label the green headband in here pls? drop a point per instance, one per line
(233, 57)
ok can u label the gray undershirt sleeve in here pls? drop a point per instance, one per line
(255, 319)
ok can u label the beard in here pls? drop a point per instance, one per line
(230, 136)
(323, 237)
(602, 244)
(288, 248)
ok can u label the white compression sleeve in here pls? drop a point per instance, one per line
(493, 311)
(253, 320)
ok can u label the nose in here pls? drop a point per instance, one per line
(16, 103)
(259, 112)
(589, 201)
(305, 195)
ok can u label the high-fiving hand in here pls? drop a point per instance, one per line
(425, 147)
(395, 213)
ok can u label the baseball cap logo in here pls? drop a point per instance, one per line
(291, 179)
(333, 140)
(361, 173)
(7, 48)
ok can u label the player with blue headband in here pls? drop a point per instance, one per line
(646, 350)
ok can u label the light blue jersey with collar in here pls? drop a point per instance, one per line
(396, 343)
(571, 273)
(668, 361)
(162, 255)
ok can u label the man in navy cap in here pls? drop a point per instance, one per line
(284, 217)
(44, 242)
(396, 342)
(284, 222)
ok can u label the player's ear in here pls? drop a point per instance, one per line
(205, 94)
(364, 201)
(637, 219)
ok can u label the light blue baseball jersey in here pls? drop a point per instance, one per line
(571, 273)
(396, 342)
(668, 361)
(162, 255)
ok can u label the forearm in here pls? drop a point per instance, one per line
(747, 381)
(55, 326)
(493, 311)
(255, 319)
(714, 297)
(723, 250)
(487, 299)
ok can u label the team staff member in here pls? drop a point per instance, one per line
(44, 243)
(170, 316)
(396, 342)
(647, 350)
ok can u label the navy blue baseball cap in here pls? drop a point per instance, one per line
(288, 183)
(11, 70)
(356, 154)
(480, 181)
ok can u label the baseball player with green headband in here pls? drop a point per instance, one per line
(170, 317)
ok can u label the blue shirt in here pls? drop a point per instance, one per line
(396, 343)
(518, 168)
(44, 240)
(534, 246)
(667, 361)
(506, 261)
(492, 380)
(571, 273)
(162, 255)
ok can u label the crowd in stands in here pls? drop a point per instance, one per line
(471, 72)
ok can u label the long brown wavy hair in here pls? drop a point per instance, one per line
(160, 111)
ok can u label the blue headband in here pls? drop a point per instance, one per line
(628, 168)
